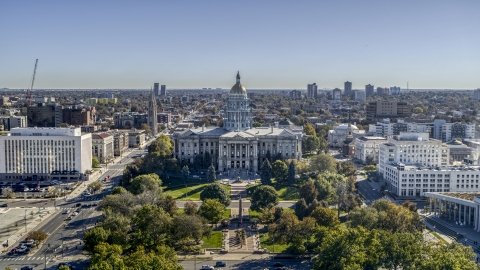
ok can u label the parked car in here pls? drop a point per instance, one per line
(66, 211)
(207, 267)
(4, 205)
(78, 205)
(220, 264)
(27, 268)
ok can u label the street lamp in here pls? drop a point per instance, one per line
(62, 241)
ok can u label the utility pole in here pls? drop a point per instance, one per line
(25, 220)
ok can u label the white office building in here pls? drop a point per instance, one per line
(412, 164)
(45, 154)
(367, 148)
(448, 131)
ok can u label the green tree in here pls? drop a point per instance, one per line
(62, 267)
(212, 210)
(301, 208)
(190, 208)
(401, 250)
(325, 217)
(312, 143)
(121, 203)
(153, 225)
(292, 171)
(188, 227)
(417, 110)
(325, 190)
(257, 124)
(216, 191)
(106, 256)
(211, 174)
(163, 146)
(366, 217)
(145, 182)
(37, 236)
(118, 190)
(268, 156)
(207, 160)
(95, 186)
(185, 174)
(95, 162)
(197, 162)
(308, 192)
(346, 168)
(264, 196)
(266, 172)
(280, 171)
(323, 163)
(168, 204)
(162, 258)
(309, 130)
(448, 256)
(147, 128)
(94, 237)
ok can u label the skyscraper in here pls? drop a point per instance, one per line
(163, 90)
(155, 89)
(369, 90)
(348, 89)
(152, 113)
(312, 90)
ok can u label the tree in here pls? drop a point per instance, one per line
(325, 217)
(257, 124)
(207, 160)
(188, 227)
(325, 189)
(212, 210)
(292, 171)
(309, 130)
(266, 215)
(211, 174)
(417, 110)
(280, 171)
(301, 208)
(118, 190)
(94, 237)
(268, 156)
(264, 197)
(216, 191)
(37, 236)
(168, 204)
(401, 250)
(366, 217)
(266, 173)
(448, 256)
(8, 193)
(153, 225)
(145, 182)
(121, 203)
(185, 174)
(346, 168)
(197, 162)
(308, 192)
(323, 163)
(95, 186)
(312, 143)
(147, 128)
(162, 146)
(63, 267)
(95, 162)
(190, 208)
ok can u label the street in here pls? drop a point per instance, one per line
(252, 264)
(65, 236)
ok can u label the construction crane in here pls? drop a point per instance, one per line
(31, 86)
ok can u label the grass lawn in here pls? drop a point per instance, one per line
(253, 213)
(227, 213)
(215, 240)
(285, 193)
(193, 192)
(266, 243)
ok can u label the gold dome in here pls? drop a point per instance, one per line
(238, 89)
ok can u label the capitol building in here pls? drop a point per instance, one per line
(237, 145)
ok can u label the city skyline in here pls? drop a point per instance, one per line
(275, 45)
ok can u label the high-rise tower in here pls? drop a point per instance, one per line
(238, 113)
(152, 113)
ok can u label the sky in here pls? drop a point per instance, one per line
(274, 44)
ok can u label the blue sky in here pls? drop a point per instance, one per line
(274, 44)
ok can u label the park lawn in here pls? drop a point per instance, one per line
(193, 192)
(180, 211)
(253, 213)
(285, 193)
(266, 243)
(214, 241)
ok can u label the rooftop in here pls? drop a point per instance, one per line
(464, 196)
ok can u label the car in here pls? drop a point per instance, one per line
(78, 210)
(95, 204)
(220, 264)
(74, 213)
(278, 264)
(66, 211)
(4, 205)
(78, 205)
(27, 268)
(207, 267)
(69, 218)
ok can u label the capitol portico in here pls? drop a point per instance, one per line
(237, 145)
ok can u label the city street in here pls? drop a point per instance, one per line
(69, 233)
(252, 264)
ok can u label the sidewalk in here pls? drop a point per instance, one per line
(237, 256)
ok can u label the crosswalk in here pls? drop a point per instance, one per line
(26, 258)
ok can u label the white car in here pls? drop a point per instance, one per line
(207, 267)
(74, 214)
